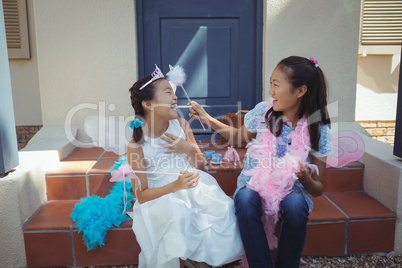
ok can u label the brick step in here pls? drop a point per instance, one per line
(85, 173)
(342, 223)
(51, 240)
(347, 223)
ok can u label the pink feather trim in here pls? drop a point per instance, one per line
(231, 155)
(274, 177)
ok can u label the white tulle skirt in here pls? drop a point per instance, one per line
(197, 224)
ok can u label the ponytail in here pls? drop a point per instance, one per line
(138, 135)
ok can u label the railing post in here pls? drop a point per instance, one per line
(398, 125)
(8, 138)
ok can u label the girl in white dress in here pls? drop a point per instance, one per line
(175, 217)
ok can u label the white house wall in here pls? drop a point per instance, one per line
(325, 30)
(25, 81)
(377, 87)
(86, 56)
(85, 53)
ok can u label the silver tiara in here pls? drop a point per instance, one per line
(155, 75)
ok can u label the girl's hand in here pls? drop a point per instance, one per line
(197, 111)
(176, 144)
(303, 174)
(187, 180)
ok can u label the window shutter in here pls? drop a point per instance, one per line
(381, 22)
(16, 22)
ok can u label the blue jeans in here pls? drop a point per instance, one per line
(294, 216)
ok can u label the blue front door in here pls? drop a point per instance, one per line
(217, 42)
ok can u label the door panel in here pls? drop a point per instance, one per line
(217, 42)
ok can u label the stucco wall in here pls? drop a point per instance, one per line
(86, 54)
(377, 87)
(325, 30)
(25, 81)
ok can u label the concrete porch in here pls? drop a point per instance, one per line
(352, 217)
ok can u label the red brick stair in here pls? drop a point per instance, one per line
(344, 221)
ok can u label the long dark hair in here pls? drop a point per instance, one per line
(302, 71)
(137, 96)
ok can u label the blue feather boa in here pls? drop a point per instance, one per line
(95, 215)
